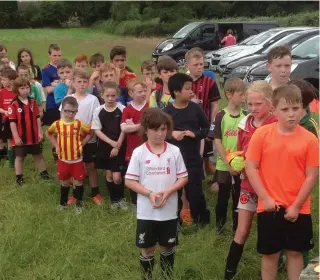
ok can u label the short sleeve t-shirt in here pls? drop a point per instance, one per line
(226, 129)
(165, 99)
(133, 139)
(156, 173)
(126, 77)
(6, 97)
(283, 159)
(86, 108)
(49, 74)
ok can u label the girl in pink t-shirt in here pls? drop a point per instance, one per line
(229, 39)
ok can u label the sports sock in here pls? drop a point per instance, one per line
(166, 263)
(110, 186)
(11, 158)
(79, 195)
(64, 192)
(147, 264)
(119, 191)
(19, 177)
(95, 191)
(233, 260)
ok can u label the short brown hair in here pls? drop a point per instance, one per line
(64, 63)
(308, 91)
(278, 52)
(106, 67)
(168, 64)
(133, 82)
(107, 85)
(194, 53)
(290, 93)
(2, 47)
(153, 118)
(81, 57)
(234, 84)
(79, 73)
(147, 65)
(118, 50)
(53, 47)
(10, 74)
(94, 59)
(20, 82)
(70, 100)
(261, 87)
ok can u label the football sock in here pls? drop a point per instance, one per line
(166, 263)
(233, 260)
(147, 264)
(64, 192)
(119, 191)
(79, 195)
(11, 158)
(111, 190)
(95, 191)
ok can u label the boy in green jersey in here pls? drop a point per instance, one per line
(226, 136)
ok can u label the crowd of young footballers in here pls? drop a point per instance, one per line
(157, 137)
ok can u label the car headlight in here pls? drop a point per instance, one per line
(167, 47)
(231, 54)
(241, 69)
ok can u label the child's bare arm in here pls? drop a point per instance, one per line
(252, 171)
(214, 110)
(130, 128)
(2, 111)
(52, 138)
(121, 139)
(40, 131)
(104, 138)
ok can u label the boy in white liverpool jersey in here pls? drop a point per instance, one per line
(156, 172)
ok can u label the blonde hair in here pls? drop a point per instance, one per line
(261, 87)
(133, 82)
(79, 73)
(194, 53)
(291, 94)
(107, 67)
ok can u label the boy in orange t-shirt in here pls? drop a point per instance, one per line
(282, 166)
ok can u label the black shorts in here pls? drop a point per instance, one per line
(6, 131)
(22, 151)
(50, 116)
(89, 152)
(150, 232)
(208, 149)
(275, 233)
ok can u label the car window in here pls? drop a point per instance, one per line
(287, 40)
(307, 49)
(262, 37)
(245, 41)
(185, 30)
(208, 31)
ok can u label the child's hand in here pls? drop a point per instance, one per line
(114, 152)
(129, 121)
(178, 135)
(292, 214)
(57, 150)
(95, 76)
(54, 83)
(165, 194)
(18, 141)
(270, 205)
(113, 144)
(6, 113)
(154, 199)
(69, 83)
(149, 82)
(189, 134)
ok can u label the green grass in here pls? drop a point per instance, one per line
(38, 242)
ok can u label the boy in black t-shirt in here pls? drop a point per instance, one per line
(190, 125)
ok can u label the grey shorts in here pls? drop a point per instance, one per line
(248, 201)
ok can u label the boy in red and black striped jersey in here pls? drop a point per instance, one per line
(6, 96)
(207, 92)
(25, 124)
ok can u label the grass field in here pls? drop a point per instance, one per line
(38, 242)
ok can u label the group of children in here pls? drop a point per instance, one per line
(157, 134)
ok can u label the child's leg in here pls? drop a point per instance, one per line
(10, 154)
(235, 201)
(236, 248)
(79, 192)
(1, 144)
(147, 262)
(64, 192)
(294, 264)
(19, 169)
(93, 178)
(269, 266)
(167, 261)
(35, 150)
(111, 188)
(119, 188)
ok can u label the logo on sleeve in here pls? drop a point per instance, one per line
(19, 110)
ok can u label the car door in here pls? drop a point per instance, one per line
(208, 40)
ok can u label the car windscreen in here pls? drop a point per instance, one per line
(308, 49)
(245, 41)
(284, 41)
(185, 30)
(259, 39)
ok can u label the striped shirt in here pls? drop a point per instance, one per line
(206, 90)
(69, 136)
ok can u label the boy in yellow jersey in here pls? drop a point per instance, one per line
(66, 136)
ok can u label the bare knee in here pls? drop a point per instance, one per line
(90, 167)
(117, 178)
(78, 183)
(241, 235)
(147, 252)
(19, 159)
(109, 176)
(293, 254)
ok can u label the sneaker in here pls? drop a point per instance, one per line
(79, 209)
(185, 216)
(97, 199)
(134, 208)
(72, 200)
(20, 182)
(123, 204)
(214, 187)
(45, 176)
(62, 207)
(114, 205)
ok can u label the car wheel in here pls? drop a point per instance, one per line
(180, 62)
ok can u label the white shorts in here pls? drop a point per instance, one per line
(248, 201)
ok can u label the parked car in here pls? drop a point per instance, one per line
(222, 57)
(305, 64)
(207, 36)
(240, 67)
